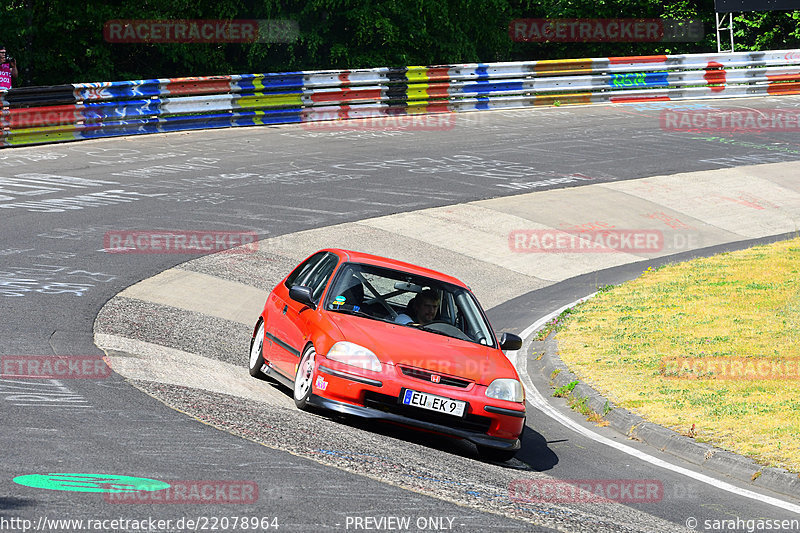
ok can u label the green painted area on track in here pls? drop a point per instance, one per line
(90, 482)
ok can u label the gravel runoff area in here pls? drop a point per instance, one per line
(416, 463)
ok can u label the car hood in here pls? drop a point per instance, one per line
(397, 344)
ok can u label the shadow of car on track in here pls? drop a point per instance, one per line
(535, 451)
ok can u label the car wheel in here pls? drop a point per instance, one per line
(495, 455)
(499, 456)
(257, 352)
(304, 378)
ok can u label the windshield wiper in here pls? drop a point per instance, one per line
(423, 327)
(462, 337)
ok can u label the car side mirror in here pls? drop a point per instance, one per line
(509, 341)
(301, 294)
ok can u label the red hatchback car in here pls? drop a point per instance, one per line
(378, 338)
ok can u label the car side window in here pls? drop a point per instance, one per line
(302, 271)
(318, 279)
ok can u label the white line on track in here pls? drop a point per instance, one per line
(538, 401)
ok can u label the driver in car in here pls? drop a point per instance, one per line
(423, 307)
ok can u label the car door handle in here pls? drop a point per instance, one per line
(285, 307)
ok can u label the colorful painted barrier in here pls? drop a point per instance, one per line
(34, 115)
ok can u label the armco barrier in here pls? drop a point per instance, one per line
(33, 115)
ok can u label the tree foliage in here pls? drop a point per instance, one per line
(61, 41)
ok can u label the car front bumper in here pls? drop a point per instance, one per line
(477, 438)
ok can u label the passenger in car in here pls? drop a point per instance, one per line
(421, 309)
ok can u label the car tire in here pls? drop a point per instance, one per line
(500, 456)
(495, 455)
(257, 352)
(304, 378)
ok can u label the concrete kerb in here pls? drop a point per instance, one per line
(635, 427)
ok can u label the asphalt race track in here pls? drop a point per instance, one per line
(313, 472)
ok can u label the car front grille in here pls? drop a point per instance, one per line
(391, 404)
(425, 375)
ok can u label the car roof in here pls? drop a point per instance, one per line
(369, 259)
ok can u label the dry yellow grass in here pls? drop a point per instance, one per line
(738, 306)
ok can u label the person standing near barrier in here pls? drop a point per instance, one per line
(8, 69)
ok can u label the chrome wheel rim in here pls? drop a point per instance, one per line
(258, 344)
(305, 374)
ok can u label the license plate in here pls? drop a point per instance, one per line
(433, 402)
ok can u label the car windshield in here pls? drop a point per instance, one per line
(405, 299)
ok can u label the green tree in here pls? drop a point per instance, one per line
(771, 30)
(61, 41)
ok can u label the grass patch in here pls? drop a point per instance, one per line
(739, 307)
(552, 326)
(565, 390)
(581, 403)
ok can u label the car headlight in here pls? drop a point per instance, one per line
(506, 389)
(352, 354)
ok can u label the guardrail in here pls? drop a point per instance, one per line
(34, 115)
